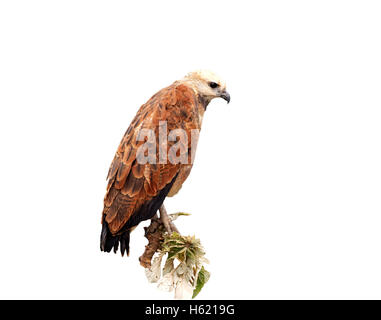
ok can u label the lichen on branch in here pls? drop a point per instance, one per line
(183, 269)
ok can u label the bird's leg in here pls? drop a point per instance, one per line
(168, 224)
(173, 227)
(165, 219)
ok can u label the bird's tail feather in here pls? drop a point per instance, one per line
(110, 241)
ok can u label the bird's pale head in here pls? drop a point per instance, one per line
(208, 85)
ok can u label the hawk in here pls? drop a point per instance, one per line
(147, 168)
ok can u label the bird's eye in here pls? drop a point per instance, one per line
(213, 85)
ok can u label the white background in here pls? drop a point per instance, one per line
(285, 190)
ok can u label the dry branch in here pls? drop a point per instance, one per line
(155, 235)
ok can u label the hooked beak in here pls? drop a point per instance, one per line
(226, 96)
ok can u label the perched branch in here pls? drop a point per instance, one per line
(155, 235)
(187, 277)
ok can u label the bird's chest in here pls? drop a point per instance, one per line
(191, 121)
(183, 174)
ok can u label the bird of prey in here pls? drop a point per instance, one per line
(136, 189)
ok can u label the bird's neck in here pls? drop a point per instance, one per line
(204, 101)
(197, 86)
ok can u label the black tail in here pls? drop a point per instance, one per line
(145, 212)
(109, 241)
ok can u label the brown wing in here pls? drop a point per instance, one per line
(136, 191)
